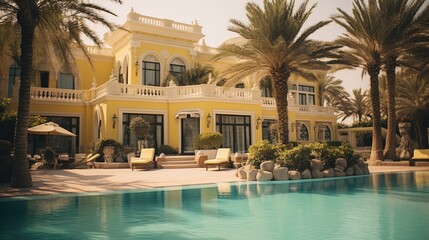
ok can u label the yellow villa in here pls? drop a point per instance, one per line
(126, 82)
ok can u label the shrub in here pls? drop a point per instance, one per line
(261, 152)
(347, 152)
(208, 140)
(297, 158)
(166, 149)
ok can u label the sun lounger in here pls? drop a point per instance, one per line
(145, 159)
(222, 157)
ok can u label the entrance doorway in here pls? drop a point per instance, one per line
(190, 129)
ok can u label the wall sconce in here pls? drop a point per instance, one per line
(137, 66)
(114, 120)
(209, 120)
(258, 122)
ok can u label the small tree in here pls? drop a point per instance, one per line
(141, 127)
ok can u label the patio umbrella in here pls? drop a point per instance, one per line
(53, 129)
(50, 128)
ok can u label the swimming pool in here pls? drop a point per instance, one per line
(379, 206)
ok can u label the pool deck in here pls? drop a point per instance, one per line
(101, 180)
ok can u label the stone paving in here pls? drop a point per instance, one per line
(100, 180)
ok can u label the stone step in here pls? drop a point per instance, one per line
(174, 162)
(176, 166)
(177, 162)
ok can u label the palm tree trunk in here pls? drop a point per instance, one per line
(377, 144)
(389, 149)
(21, 176)
(280, 80)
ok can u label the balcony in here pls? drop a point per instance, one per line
(203, 92)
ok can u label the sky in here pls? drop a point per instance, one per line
(215, 15)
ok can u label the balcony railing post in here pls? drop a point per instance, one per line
(172, 92)
(208, 90)
(256, 94)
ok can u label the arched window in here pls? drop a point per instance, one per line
(239, 85)
(266, 87)
(120, 75)
(303, 134)
(323, 133)
(14, 72)
(66, 81)
(151, 71)
(177, 67)
(328, 136)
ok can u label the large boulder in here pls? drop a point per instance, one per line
(316, 164)
(281, 174)
(316, 173)
(339, 172)
(306, 174)
(251, 175)
(267, 166)
(242, 174)
(328, 173)
(357, 170)
(360, 162)
(349, 171)
(264, 176)
(365, 169)
(341, 162)
(316, 168)
(294, 175)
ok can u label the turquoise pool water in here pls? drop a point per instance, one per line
(379, 206)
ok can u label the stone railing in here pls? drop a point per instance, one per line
(315, 109)
(57, 94)
(94, 50)
(238, 93)
(206, 49)
(271, 103)
(112, 88)
(167, 23)
(190, 91)
(268, 102)
(143, 91)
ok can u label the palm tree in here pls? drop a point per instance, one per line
(194, 76)
(330, 90)
(362, 40)
(412, 104)
(357, 106)
(61, 21)
(405, 15)
(276, 45)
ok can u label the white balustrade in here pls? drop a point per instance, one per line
(167, 23)
(171, 92)
(268, 102)
(190, 91)
(56, 94)
(206, 50)
(238, 93)
(143, 91)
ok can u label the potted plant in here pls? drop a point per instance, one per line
(208, 143)
(49, 156)
(108, 148)
(140, 127)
